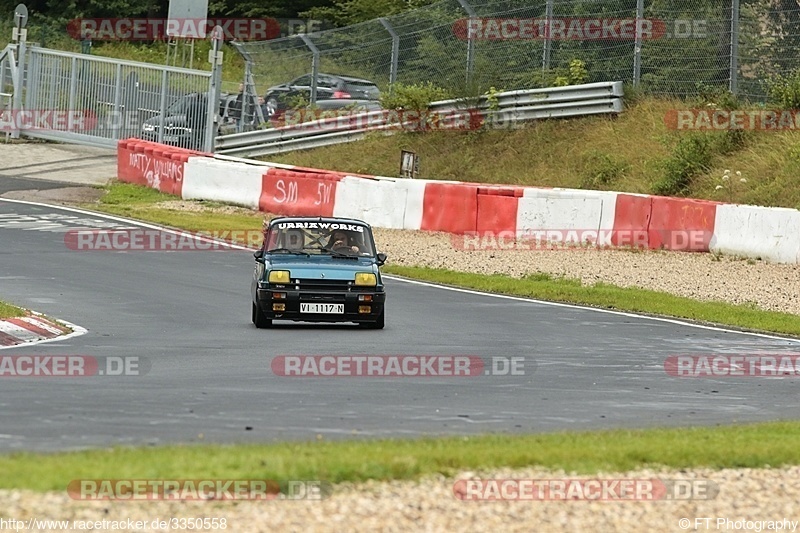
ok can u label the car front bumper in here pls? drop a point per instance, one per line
(350, 300)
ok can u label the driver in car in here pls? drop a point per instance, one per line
(341, 241)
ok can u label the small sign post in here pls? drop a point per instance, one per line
(409, 164)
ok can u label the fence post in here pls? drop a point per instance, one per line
(314, 66)
(548, 35)
(470, 40)
(3, 60)
(73, 84)
(734, 65)
(395, 52)
(637, 47)
(120, 120)
(34, 78)
(249, 84)
(16, 103)
(162, 106)
(215, 58)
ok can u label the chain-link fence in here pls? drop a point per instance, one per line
(677, 47)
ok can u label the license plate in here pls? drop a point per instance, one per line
(324, 309)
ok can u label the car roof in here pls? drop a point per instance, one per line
(345, 78)
(350, 78)
(332, 220)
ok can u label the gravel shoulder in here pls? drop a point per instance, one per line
(431, 505)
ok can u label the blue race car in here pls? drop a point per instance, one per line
(315, 269)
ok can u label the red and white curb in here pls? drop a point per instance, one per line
(35, 329)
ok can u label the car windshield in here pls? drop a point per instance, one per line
(178, 107)
(190, 103)
(337, 239)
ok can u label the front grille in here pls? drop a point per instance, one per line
(306, 285)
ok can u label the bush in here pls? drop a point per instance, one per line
(717, 97)
(575, 74)
(784, 91)
(601, 170)
(692, 156)
(413, 97)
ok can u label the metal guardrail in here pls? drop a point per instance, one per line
(506, 110)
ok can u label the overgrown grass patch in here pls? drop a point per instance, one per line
(9, 311)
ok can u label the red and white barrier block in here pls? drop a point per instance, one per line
(607, 219)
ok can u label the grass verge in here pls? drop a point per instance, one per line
(542, 286)
(752, 446)
(10, 311)
(143, 203)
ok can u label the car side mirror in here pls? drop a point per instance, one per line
(382, 257)
(259, 255)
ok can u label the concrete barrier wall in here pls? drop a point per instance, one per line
(468, 209)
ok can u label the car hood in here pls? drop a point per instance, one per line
(333, 268)
(171, 120)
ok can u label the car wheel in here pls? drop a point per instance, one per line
(272, 106)
(259, 319)
(378, 324)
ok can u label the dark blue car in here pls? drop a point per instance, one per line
(318, 270)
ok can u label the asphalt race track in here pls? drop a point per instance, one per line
(187, 315)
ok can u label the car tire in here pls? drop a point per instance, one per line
(261, 321)
(378, 324)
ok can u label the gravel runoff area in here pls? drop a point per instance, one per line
(701, 276)
(748, 499)
(731, 500)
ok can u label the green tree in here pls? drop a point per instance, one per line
(345, 12)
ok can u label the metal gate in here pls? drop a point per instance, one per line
(84, 99)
